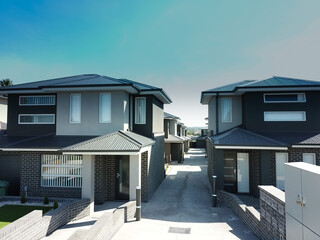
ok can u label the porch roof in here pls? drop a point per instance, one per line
(174, 139)
(121, 141)
(238, 137)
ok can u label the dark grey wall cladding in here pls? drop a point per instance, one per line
(146, 129)
(15, 129)
(155, 170)
(254, 107)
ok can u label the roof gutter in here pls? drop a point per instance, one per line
(29, 149)
(305, 146)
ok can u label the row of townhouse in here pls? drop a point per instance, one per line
(176, 141)
(257, 126)
(86, 136)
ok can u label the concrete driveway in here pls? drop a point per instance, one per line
(182, 208)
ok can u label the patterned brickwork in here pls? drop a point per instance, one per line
(105, 178)
(144, 176)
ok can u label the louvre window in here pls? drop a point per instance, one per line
(61, 171)
(140, 110)
(37, 100)
(284, 97)
(280, 116)
(36, 119)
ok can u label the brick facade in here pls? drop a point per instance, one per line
(144, 176)
(255, 164)
(105, 179)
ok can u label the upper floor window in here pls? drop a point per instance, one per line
(226, 110)
(36, 119)
(61, 171)
(37, 100)
(280, 116)
(105, 108)
(75, 108)
(140, 110)
(284, 97)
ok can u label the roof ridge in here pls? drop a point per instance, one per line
(139, 144)
(265, 137)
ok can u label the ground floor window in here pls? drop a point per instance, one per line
(309, 158)
(61, 171)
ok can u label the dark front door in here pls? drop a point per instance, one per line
(230, 172)
(122, 178)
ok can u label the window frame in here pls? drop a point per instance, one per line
(108, 109)
(60, 168)
(288, 120)
(295, 101)
(221, 109)
(31, 114)
(70, 112)
(40, 96)
(314, 157)
(136, 111)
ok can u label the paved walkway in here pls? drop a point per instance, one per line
(181, 208)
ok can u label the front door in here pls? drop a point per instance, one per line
(122, 178)
(230, 172)
(243, 172)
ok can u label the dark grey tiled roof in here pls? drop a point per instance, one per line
(119, 141)
(295, 138)
(270, 82)
(85, 80)
(241, 137)
(50, 141)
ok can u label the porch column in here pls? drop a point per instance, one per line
(135, 175)
(88, 180)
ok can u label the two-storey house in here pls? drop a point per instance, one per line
(257, 126)
(174, 144)
(86, 136)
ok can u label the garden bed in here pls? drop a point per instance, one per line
(10, 213)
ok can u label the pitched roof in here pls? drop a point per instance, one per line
(88, 81)
(174, 139)
(243, 86)
(120, 141)
(242, 137)
(170, 116)
(295, 138)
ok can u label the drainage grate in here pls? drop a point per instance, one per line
(179, 230)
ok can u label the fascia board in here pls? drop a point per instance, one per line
(250, 147)
(305, 146)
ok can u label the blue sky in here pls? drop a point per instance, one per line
(182, 46)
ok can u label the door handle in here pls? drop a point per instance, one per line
(298, 199)
(118, 175)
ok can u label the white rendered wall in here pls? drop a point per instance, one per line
(135, 175)
(88, 179)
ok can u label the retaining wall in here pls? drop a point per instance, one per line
(108, 224)
(34, 226)
(270, 224)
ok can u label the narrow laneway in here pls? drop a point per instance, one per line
(182, 208)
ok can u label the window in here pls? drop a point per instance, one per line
(309, 158)
(281, 159)
(37, 100)
(226, 110)
(105, 108)
(36, 119)
(75, 108)
(284, 97)
(293, 116)
(61, 171)
(140, 110)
